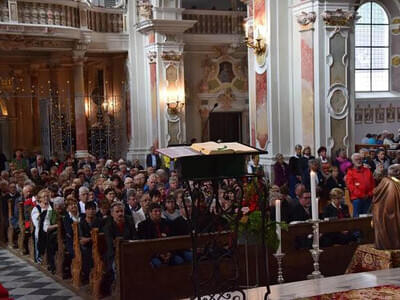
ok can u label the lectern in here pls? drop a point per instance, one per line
(215, 162)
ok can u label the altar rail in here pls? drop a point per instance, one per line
(69, 14)
(215, 21)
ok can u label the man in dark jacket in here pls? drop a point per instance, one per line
(156, 227)
(153, 159)
(295, 170)
(119, 225)
(301, 212)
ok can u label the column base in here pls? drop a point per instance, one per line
(137, 153)
(81, 153)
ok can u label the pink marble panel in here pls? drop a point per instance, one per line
(261, 110)
(307, 87)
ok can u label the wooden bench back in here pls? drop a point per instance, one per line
(358, 147)
(138, 275)
(174, 282)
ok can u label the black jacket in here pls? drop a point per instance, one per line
(300, 214)
(332, 212)
(332, 183)
(111, 232)
(149, 161)
(180, 226)
(147, 229)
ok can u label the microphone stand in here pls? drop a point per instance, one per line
(208, 118)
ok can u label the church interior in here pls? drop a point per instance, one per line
(230, 149)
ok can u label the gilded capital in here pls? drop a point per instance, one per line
(339, 18)
(171, 56)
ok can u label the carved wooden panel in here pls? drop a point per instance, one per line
(76, 265)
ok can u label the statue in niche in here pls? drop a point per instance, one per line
(226, 72)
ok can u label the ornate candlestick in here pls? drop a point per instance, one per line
(315, 251)
(279, 258)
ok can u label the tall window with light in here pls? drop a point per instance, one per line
(372, 49)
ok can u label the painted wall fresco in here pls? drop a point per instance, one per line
(307, 87)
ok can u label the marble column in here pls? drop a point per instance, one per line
(338, 28)
(156, 76)
(34, 81)
(306, 23)
(81, 143)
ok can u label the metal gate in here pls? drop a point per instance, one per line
(106, 126)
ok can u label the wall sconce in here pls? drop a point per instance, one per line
(87, 107)
(108, 106)
(257, 44)
(174, 106)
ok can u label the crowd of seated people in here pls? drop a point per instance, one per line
(384, 138)
(358, 174)
(119, 198)
(127, 200)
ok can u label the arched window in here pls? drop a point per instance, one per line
(372, 49)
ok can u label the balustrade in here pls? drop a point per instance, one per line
(215, 22)
(62, 14)
(48, 14)
(105, 22)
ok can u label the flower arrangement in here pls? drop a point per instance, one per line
(250, 216)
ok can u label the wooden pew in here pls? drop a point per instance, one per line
(22, 231)
(370, 147)
(298, 263)
(3, 224)
(116, 289)
(97, 274)
(76, 266)
(10, 230)
(31, 241)
(136, 273)
(60, 254)
(175, 282)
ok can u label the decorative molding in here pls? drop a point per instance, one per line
(165, 26)
(395, 26)
(306, 20)
(395, 61)
(152, 57)
(15, 42)
(338, 99)
(171, 56)
(145, 10)
(339, 18)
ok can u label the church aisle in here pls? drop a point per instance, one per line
(24, 281)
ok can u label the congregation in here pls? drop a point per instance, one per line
(128, 200)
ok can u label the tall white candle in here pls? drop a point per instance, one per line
(314, 204)
(278, 226)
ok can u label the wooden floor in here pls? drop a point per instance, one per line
(334, 284)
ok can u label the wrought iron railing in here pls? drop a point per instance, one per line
(215, 21)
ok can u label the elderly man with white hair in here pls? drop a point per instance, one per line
(360, 182)
(83, 198)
